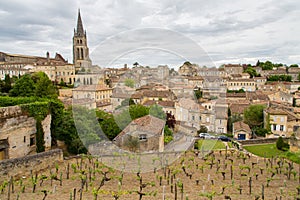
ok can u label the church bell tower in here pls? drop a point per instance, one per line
(81, 57)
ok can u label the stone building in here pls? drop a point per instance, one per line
(81, 57)
(241, 131)
(142, 135)
(93, 96)
(57, 68)
(18, 133)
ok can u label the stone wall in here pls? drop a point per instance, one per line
(260, 141)
(19, 167)
(19, 130)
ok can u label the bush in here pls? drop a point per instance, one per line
(261, 132)
(281, 145)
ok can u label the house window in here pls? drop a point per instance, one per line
(193, 118)
(207, 119)
(282, 119)
(274, 127)
(142, 137)
(24, 139)
(281, 127)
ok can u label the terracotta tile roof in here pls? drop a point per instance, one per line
(92, 88)
(237, 95)
(241, 126)
(236, 108)
(146, 124)
(161, 103)
(188, 104)
(257, 95)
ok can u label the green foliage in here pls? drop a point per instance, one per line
(24, 87)
(253, 116)
(261, 132)
(108, 124)
(129, 82)
(43, 86)
(127, 102)
(157, 111)
(38, 85)
(168, 135)
(88, 128)
(266, 65)
(137, 111)
(198, 93)
(40, 142)
(282, 77)
(6, 86)
(232, 119)
(12, 101)
(236, 91)
(281, 145)
(203, 129)
(294, 65)
(251, 71)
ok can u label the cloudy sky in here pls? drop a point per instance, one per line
(154, 32)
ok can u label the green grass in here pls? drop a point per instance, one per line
(210, 144)
(230, 145)
(264, 150)
(270, 150)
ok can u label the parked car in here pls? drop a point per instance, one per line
(224, 138)
(275, 135)
(206, 136)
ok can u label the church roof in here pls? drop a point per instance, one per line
(79, 30)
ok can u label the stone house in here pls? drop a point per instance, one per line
(281, 97)
(280, 121)
(96, 95)
(187, 112)
(241, 131)
(233, 69)
(245, 84)
(167, 106)
(294, 72)
(142, 135)
(18, 133)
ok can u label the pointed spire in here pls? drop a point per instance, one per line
(80, 31)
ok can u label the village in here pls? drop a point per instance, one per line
(77, 118)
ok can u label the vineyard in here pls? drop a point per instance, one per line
(218, 175)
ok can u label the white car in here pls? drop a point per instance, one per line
(206, 136)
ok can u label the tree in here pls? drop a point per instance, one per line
(129, 82)
(251, 71)
(299, 77)
(137, 111)
(203, 129)
(108, 124)
(157, 111)
(44, 86)
(136, 64)
(253, 116)
(127, 102)
(198, 93)
(66, 131)
(281, 145)
(7, 84)
(187, 63)
(294, 65)
(24, 87)
(261, 132)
